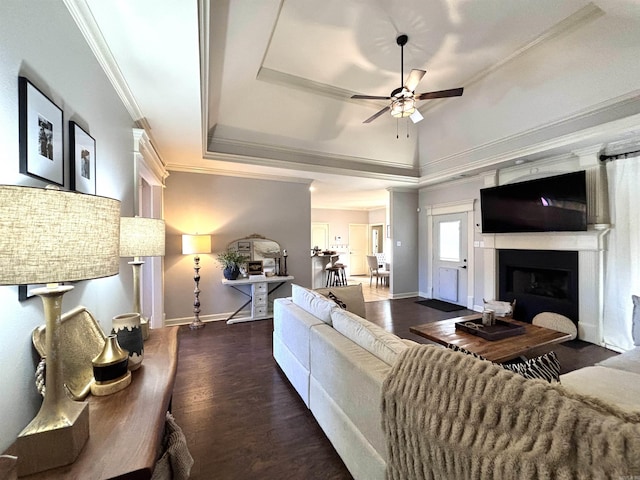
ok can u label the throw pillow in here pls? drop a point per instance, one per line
(545, 367)
(350, 295)
(456, 348)
(339, 302)
(635, 326)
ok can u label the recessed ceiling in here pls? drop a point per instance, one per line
(262, 87)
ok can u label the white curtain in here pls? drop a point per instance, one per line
(622, 273)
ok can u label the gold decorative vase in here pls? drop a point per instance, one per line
(110, 368)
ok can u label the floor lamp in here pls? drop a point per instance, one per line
(196, 245)
(141, 237)
(51, 236)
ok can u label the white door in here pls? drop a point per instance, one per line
(358, 243)
(320, 235)
(450, 258)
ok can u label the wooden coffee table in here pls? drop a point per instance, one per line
(444, 332)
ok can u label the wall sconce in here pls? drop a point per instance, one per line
(195, 245)
(51, 236)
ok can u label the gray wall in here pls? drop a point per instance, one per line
(403, 207)
(229, 208)
(39, 40)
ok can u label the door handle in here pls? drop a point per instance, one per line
(463, 266)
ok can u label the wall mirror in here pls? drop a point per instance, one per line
(258, 248)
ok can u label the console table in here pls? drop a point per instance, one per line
(258, 295)
(126, 428)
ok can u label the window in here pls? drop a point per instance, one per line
(450, 241)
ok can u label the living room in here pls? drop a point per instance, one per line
(552, 110)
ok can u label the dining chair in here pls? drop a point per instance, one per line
(381, 276)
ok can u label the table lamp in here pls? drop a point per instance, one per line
(195, 245)
(141, 237)
(50, 236)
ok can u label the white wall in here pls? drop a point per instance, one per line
(339, 221)
(39, 40)
(585, 69)
(229, 208)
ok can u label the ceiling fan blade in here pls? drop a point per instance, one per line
(454, 92)
(370, 97)
(376, 115)
(414, 79)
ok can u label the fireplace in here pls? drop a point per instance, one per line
(539, 281)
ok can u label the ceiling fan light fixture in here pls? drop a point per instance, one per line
(403, 107)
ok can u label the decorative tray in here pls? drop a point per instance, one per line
(499, 330)
(81, 340)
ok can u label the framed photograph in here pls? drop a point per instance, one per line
(244, 247)
(83, 160)
(254, 267)
(24, 291)
(40, 135)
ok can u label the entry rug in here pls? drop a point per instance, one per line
(440, 305)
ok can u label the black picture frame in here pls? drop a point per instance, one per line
(41, 134)
(24, 291)
(83, 160)
(254, 267)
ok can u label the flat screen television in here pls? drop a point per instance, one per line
(551, 204)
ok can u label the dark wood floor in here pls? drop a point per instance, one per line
(242, 418)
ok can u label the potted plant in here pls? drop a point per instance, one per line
(230, 260)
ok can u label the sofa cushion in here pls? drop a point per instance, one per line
(350, 296)
(610, 385)
(347, 375)
(376, 340)
(312, 302)
(628, 361)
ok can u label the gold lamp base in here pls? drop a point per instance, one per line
(41, 448)
(58, 432)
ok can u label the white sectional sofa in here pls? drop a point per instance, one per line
(337, 362)
(342, 367)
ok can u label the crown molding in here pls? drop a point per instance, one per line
(176, 167)
(544, 138)
(330, 170)
(83, 17)
(300, 159)
(150, 158)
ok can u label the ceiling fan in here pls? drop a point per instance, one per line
(403, 99)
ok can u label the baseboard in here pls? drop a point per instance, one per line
(216, 317)
(395, 296)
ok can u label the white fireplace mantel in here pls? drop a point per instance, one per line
(590, 246)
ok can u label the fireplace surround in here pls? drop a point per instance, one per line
(589, 247)
(539, 281)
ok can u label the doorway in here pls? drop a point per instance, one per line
(377, 239)
(449, 259)
(149, 176)
(320, 235)
(358, 244)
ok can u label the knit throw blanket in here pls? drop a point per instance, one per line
(447, 415)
